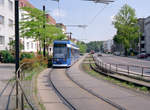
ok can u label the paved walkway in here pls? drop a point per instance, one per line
(7, 89)
(46, 93)
(124, 97)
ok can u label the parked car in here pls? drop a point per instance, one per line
(117, 53)
(99, 54)
(92, 52)
(142, 55)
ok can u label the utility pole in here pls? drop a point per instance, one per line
(17, 46)
(70, 35)
(44, 53)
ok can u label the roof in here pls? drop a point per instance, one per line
(26, 3)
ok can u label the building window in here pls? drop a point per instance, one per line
(10, 23)
(2, 40)
(31, 45)
(10, 39)
(1, 19)
(142, 45)
(22, 16)
(28, 45)
(1, 2)
(10, 5)
(142, 38)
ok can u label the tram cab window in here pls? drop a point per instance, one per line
(60, 51)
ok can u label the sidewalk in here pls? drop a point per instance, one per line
(126, 98)
(46, 94)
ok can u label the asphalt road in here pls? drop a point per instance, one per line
(127, 61)
(7, 71)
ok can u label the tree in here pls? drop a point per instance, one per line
(12, 46)
(82, 46)
(94, 45)
(31, 26)
(127, 29)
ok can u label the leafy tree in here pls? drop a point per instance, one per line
(31, 26)
(82, 47)
(94, 45)
(12, 46)
(127, 29)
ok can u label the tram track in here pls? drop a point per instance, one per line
(96, 95)
(64, 100)
(88, 96)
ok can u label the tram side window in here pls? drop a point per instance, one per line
(68, 54)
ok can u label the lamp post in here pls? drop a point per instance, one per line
(44, 53)
(17, 46)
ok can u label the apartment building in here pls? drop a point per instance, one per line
(107, 46)
(144, 24)
(6, 23)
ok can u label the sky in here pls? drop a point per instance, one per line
(98, 17)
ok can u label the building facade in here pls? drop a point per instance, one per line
(144, 44)
(30, 45)
(107, 46)
(7, 25)
(7, 28)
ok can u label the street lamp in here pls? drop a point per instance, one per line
(101, 1)
(17, 46)
(79, 26)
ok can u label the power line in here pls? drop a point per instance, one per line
(100, 11)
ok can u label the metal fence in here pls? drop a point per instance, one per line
(125, 69)
(23, 96)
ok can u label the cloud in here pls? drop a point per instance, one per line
(58, 13)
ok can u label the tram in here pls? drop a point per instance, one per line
(65, 53)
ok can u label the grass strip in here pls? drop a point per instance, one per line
(35, 76)
(31, 73)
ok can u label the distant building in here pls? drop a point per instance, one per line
(107, 46)
(61, 26)
(7, 29)
(144, 40)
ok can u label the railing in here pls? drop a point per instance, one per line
(134, 70)
(20, 92)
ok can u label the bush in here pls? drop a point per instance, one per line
(50, 61)
(6, 57)
(35, 62)
(26, 55)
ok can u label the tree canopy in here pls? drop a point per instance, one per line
(82, 46)
(94, 45)
(127, 29)
(31, 26)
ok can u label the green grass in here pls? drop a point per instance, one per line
(35, 87)
(31, 73)
(87, 69)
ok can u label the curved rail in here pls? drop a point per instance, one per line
(65, 101)
(96, 95)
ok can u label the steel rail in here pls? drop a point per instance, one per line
(65, 101)
(96, 95)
